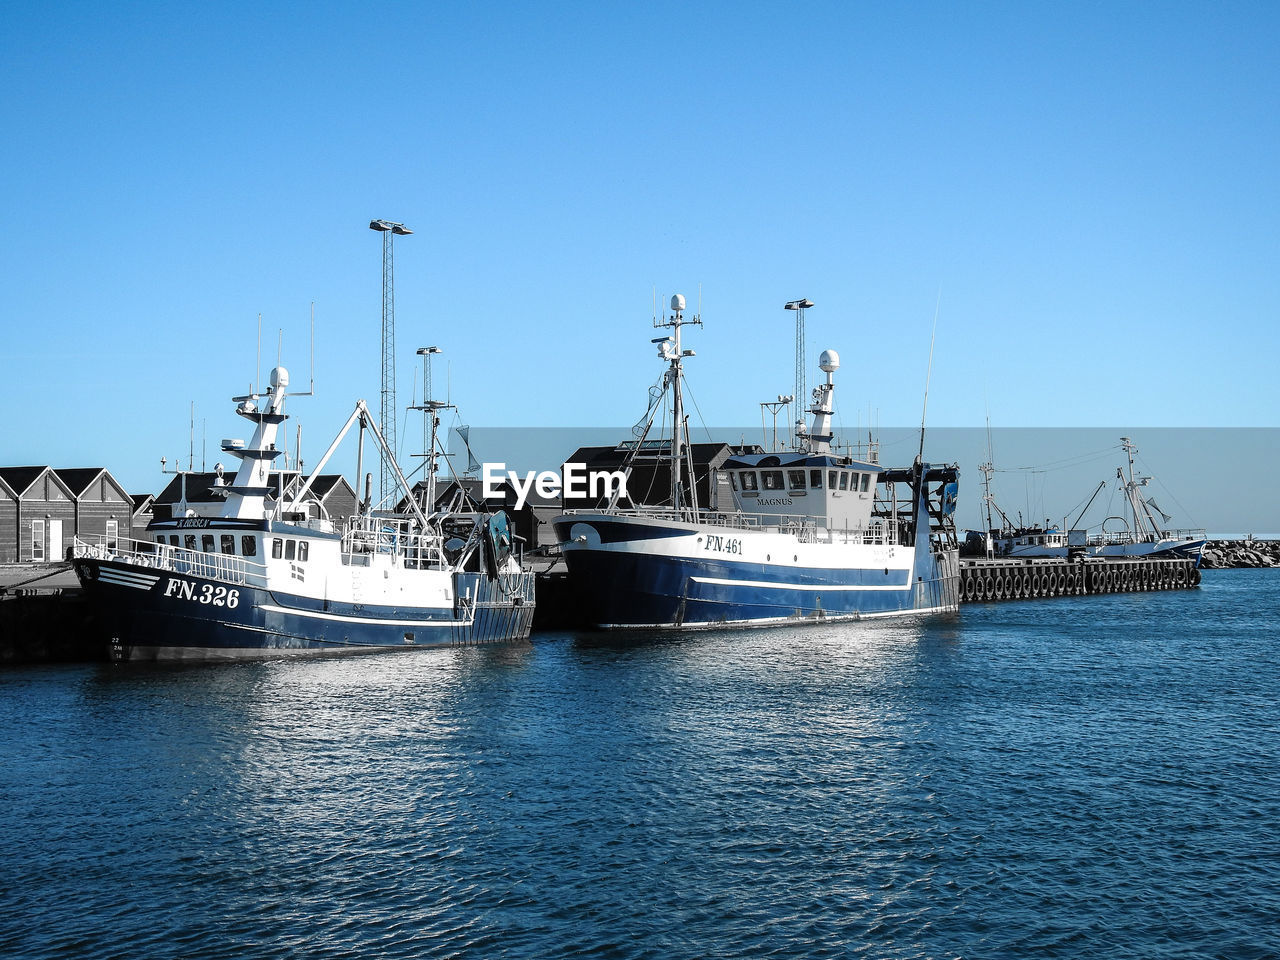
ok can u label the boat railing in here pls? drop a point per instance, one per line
(223, 567)
(402, 538)
(1124, 536)
(807, 528)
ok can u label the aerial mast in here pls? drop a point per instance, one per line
(387, 413)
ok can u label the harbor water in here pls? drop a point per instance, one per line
(1091, 776)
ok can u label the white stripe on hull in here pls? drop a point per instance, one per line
(127, 578)
(380, 621)
(807, 587)
(775, 621)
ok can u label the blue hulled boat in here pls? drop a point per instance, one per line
(811, 534)
(267, 573)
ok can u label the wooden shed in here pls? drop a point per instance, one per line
(103, 508)
(37, 515)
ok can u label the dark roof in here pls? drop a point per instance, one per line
(712, 453)
(199, 485)
(141, 500)
(20, 478)
(79, 478)
(473, 487)
(324, 484)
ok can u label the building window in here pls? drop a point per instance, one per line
(249, 546)
(290, 547)
(113, 534)
(277, 548)
(815, 479)
(37, 540)
(228, 543)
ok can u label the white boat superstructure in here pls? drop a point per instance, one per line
(264, 572)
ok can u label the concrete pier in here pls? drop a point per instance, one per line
(1009, 578)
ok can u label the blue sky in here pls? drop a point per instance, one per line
(1087, 193)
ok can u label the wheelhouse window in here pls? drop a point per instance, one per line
(796, 479)
(290, 549)
(844, 480)
(866, 482)
(206, 542)
(249, 546)
(189, 541)
(304, 548)
(772, 479)
(277, 548)
(750, 482)
(815, 479)
(228, 543)
(733, 480)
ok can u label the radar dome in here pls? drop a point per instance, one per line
(279, 377)
(829, 362)
(677, 303)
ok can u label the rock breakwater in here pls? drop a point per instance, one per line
(1223, 554)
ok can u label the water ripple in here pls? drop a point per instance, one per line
(1071, 778)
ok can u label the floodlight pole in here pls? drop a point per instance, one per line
(387, 414)
(799, 306)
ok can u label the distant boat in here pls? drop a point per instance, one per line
(1141, 536)
(1144, 536)
(267, 573)
(812, 534)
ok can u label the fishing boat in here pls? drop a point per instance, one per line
(1142, 535)
(1137, 535)
(811, 534)
(267, 573)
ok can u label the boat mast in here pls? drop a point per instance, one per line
(671, 350)
(988, 469)
(1136, 503)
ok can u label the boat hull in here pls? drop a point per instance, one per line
(152, 614)
(632, 573)
(1180, 549)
